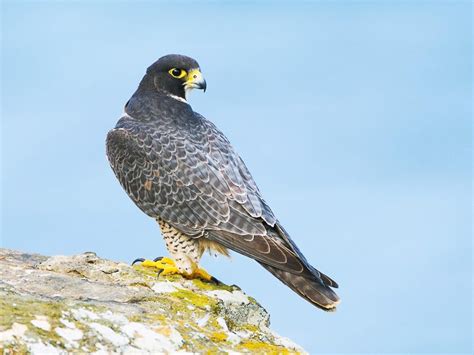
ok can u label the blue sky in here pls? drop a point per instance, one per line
(354, 118)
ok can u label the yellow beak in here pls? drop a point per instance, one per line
(195, 80)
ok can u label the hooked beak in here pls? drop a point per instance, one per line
(195, 80)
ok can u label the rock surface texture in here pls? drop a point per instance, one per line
(85, 304)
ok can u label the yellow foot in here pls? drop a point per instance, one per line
(167, 266)
(201, 274)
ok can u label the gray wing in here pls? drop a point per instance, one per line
(195, 181)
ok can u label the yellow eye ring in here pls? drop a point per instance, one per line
(177, 73)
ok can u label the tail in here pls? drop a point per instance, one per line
(313, 286)
(277, 253)
(314, 290)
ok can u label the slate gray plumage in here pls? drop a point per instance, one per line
(178, 167)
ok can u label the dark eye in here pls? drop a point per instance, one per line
(177, 73)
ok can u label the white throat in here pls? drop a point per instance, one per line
(177, 98)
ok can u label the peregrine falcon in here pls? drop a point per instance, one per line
(181, 170)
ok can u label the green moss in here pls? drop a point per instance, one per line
(218, 336)
(22, 310)
(172, 277)
(209, 286)
(147, 271)
(149, 318)
(194, 298)
(248, 327)
(263, 348)
(253, 300)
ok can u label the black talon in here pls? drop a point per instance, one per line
(159, 272)
(158, 258)
(216, 281)
(139, 260)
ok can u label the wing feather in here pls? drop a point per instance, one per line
(193, 180)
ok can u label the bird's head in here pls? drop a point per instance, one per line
(174, 74)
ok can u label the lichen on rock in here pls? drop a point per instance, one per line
(86, 304)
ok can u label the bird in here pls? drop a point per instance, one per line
(181, 170)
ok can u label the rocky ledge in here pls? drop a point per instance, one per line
(86, 304)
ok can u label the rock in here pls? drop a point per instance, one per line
(86, 304)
